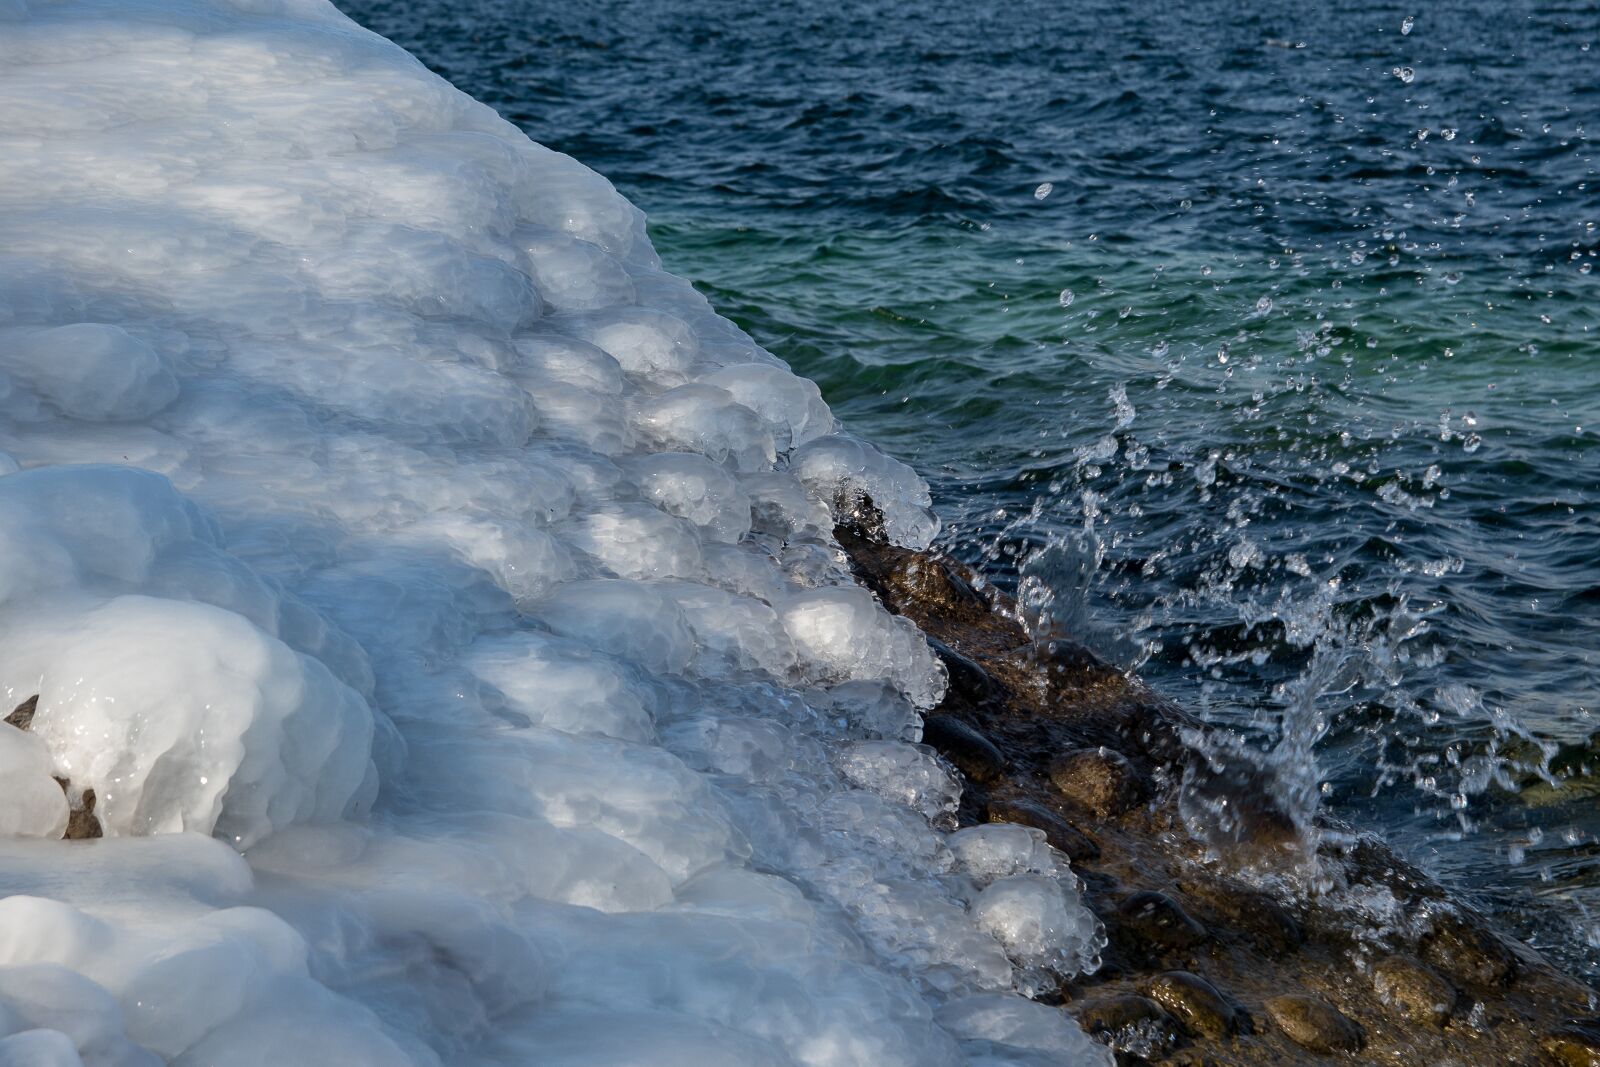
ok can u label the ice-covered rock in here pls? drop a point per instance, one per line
(999, 850)
(1043, 925)
(89, 370)
(848, 473)
(843, 634)
(441, 602)
(34, 806)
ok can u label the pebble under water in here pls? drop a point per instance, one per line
(1258, 347)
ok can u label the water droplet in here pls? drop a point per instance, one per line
(1406, 24)
(1263, 305)
(1067, 298)
(1044, 190)
(1185, 204)
(1452, 277)
(1405, 74)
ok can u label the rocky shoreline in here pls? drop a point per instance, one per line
(1209, 961)
(1203, 965)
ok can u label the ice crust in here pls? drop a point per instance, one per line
(440, 601)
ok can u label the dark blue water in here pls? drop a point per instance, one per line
(1285, 388)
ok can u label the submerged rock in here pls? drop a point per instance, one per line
(1131, 1024)
(1158, 923)
(1198, 1004)
(1233, 805)
(967, 680)
(1415, 990)
(1315, 1024)
(1100, 780)
(1577, 1044)
(1264, 922)
(973, 754)
(1466, 951)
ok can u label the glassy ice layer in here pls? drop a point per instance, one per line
(440, 602)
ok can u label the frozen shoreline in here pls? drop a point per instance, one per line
(378, 507)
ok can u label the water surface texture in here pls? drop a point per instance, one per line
(1263, 348)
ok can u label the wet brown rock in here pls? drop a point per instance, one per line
(1198, 1004)
(1192, 1057)
(1158, 922)
(973, 754)
(1062, 835)
(1130, 1023)
(1184, 900)
(918, 584)
(1100, 780)
(1264, 922)
(935, 583)
(22, 717)
(1461, 948)
(1577, 1044)
(1372, 862)
(82, 823)
(1059, 655)
(856, 513)
(967, 680)
(1242, 812)
(1313, 1023)
(1417, 991)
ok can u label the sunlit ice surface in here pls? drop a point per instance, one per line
(439, 602)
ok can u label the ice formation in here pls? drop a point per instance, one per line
(440, 602)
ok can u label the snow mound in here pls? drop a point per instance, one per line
(439, 603)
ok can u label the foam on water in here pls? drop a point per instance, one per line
(441, 603)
